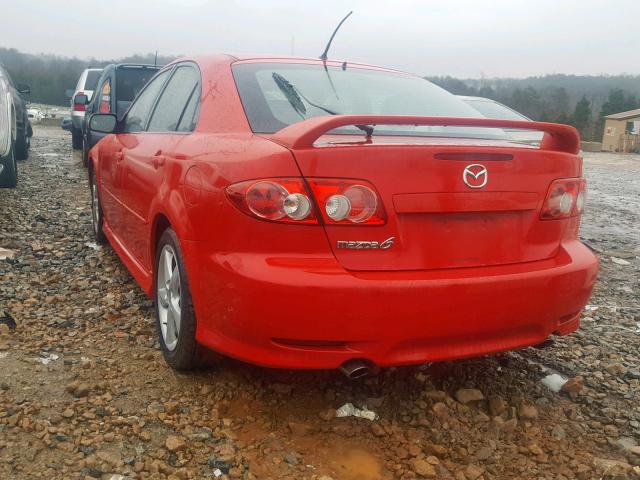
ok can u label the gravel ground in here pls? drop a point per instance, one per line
(84, 392)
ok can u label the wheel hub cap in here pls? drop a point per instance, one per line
(168, 297)
(95, 206)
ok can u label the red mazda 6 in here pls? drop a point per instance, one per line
(300, 214)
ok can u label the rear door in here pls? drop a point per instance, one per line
(156, 153)
(113, 151)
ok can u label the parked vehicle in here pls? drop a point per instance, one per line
(79, 99)
(35, 115)
(116, 88)
(308, 214)
(8, 164)
(24, 131)
(492, 109)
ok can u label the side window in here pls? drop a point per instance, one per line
(174, 99)
(139, 112)
(190, 114)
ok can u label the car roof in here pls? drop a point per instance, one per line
(205, 59)
(137, 65)
(130, 65)
(295, 59)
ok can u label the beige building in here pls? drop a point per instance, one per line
(622, 132)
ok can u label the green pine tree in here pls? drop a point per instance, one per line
(581, 118)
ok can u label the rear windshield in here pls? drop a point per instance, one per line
(495, 110)
(91, 81)
(129, 81)
(275, 95)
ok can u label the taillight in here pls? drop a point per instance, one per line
(105, 104)
(582, 197)
(347, 202)
(277, 199)
(565, 198)
(341, 202)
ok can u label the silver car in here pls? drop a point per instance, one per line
(492, 109)
(79, 98)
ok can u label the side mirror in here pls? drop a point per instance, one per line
(103, 122)
(69, 92)
(23, 89)
(80, 99)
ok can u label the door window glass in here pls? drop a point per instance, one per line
(190, 114)
(173, 101)
(139, 112)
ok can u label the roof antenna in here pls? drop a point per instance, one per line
(324, 56)
(155, 59)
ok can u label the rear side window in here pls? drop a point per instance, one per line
(175, 99)
(130, 81)
(92, 79)
(139, 112)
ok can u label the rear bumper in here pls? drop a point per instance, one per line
(311, 313)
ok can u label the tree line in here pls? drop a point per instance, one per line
(49, 76)
(581, 101)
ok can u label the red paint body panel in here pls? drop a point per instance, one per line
(249, 300)
(447, 202)
(471, 271)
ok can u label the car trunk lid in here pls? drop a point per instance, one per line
(448, 203)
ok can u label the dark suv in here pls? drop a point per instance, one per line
(116, 88)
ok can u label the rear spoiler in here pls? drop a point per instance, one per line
(301, 135)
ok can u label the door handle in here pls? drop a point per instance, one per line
(157, 161)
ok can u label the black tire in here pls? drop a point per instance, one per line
(9, 175)
(85, 152)
(23, 143)
(97, 218)
(186, 354)
(76, 139)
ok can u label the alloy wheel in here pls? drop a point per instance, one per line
(95, 206)
(168, 297)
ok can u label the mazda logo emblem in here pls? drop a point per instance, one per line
(475, 175)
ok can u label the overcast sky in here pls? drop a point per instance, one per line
(464, 38)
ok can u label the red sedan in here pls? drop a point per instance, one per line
(306, 214)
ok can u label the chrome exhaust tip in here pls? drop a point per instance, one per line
(355, 368)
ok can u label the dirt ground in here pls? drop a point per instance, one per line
(84, 392)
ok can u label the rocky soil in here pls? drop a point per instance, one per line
(85, 394)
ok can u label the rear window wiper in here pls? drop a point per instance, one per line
(294, 96)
